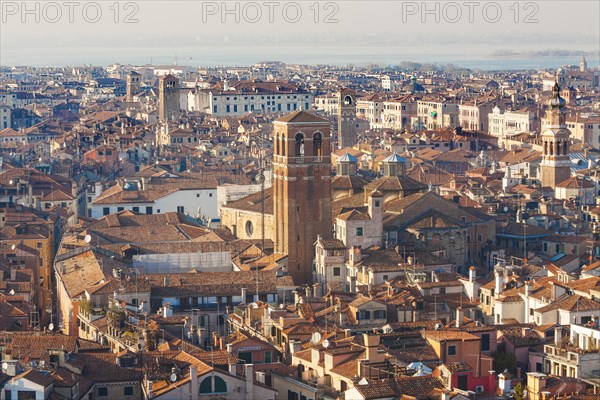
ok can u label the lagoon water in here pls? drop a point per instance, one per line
(215, 55)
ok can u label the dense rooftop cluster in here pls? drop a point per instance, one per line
(299, 232)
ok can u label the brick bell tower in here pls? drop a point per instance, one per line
(301, 189)
(346, 118)
(556, 164)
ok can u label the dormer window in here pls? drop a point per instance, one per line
(127, 362)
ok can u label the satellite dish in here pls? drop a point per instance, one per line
(173, 377)
(281, 306)
(315, 338)
(51, 326)
(438, 326)
(5, 366)
(12, 292)
(326, 343)
(505, 209)
(87, 238)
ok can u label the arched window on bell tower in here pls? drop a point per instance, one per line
(318, 144)
(565, 148)
(545, 147)
(299, 145)
(276, 145)
(551, 148)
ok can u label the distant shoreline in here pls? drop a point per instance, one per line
(530, 54)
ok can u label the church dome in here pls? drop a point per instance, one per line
(556, 101)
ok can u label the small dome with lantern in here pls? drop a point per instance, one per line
(556, 101)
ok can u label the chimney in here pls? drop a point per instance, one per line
(372, 344)
(166, 281)
(74, 188)
(296, 297)
(352, 284)
(316, 290)
(472, 274)
(460, 314)
(13, 274)
(354, 255)
(552, 291)
(558, 336)
(528, 288)
(201, 335)
(244, 295)
(233, 369)
(307, 291)
(249, 373)
(167, 311)
(546, 396)
(194, 379)
(499, 284)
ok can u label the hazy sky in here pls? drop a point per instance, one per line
(105, 31)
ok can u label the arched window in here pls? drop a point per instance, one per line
(317, 144)
(545, 147)
(220, 385)
(276, 144)
(249, 228)
(551, 148)
(299, 144)
(565, 148)
(206, 385)
(213, 384)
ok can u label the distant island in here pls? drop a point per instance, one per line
(503, 53)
